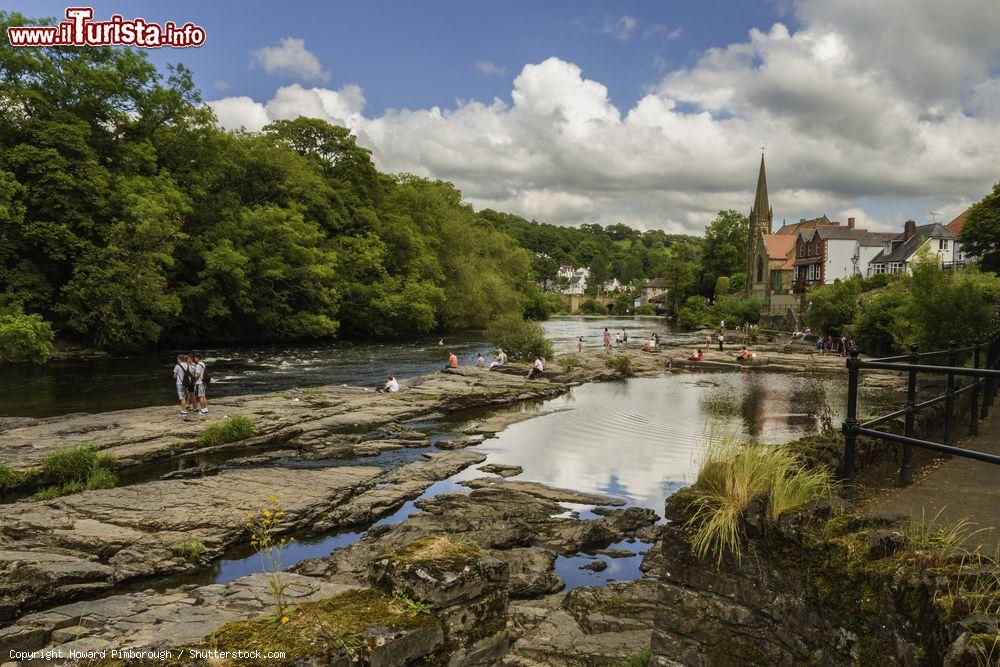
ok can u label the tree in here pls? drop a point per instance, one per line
(980, 235)
(680, 271)
(832, 307)
(725, 248)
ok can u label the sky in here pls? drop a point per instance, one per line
(648, 113)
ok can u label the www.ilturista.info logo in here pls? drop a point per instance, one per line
(79, 30)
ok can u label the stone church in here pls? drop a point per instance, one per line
(758, 262)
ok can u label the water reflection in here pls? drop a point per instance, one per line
(643, 438)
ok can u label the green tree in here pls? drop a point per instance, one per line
(980, 235)
(830, 308)
(725, 248)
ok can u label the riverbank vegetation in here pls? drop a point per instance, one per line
(930, 307)
(132, 220)
(74, 470)
(520, 339)
(237, 427)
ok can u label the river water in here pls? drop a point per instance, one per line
(141, 380)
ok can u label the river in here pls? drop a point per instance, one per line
(142, 380)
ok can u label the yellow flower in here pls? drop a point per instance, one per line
(267, 513)
(284, 619)
(249, 516)
(273, 499)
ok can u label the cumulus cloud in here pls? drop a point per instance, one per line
(487, 68)
(844, 120)
(290, 58)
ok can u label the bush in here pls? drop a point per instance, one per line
(736, 473)
(722, 286)
(237, 427)
(542, 306)
(736, 310)
(832, 307)
(25, 338)
(522, 340)
(874, 325)
(622, 365)
(693, 313)
(592, 307)
(645, 309)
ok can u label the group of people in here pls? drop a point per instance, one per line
(831, 345)
(192, 379)
(621, 340)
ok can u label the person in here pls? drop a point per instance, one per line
(480, 362)
(624, 337)
(452, 360)
(829, 344)
(843, 346)
(656, 337)
(607, 340)
(819, 345)
(618, 340)
(183, 378)
(495, 362)
(391, 386)
(537, 367)
(722, 339)
(744, 354)
(579, 344)
(698, 356)
(200, 383)
(708, 340)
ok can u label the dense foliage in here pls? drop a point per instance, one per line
(980, 235)
(931, 307)
(130, 220)
(25, 337)
(521, 340)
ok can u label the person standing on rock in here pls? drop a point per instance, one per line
(607, 340)
(200, 383)
(579, 344)
(182, 377)
(722, 339)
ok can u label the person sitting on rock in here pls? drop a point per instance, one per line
(536, 368)
(480, 362)
(391, 386)
(744, 355)
(452, 360)
(698, 356)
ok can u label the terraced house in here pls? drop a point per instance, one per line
(833, 251)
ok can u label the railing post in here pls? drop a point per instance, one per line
(988, 382)
(976, 382)
(906, 470)
(851, 425)
(949, 395)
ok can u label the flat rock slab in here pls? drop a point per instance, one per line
(58, 549)
(156, 620)
(545, 492)
(142, 435)
(501, 469)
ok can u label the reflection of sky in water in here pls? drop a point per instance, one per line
(642, 439)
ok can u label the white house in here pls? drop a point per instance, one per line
(576, 279)
(897, 252)
(830, 252)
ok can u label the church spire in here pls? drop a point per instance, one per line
(761, 208)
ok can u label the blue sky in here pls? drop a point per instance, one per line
(421, 54)
(648, 113)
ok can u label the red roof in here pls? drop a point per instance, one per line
(779, 246)
(957, 224)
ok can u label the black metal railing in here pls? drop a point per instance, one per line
(985, 377)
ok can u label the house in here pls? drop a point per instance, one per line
(896, 252)
(961, 259)
(653, 287)
(572, 280)
(830, 252)
(612, 286)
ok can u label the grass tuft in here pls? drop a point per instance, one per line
(190, 548)
(637, 659)
(10, 477)
(622, 365)
(79, 469)
(237, 427)
(931, 534)
(441, 551)
(736, 473)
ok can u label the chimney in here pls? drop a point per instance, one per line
(909, 230)
(850, 223)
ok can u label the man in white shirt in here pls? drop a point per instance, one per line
(537, 367)
(180, 376)
(199, 384)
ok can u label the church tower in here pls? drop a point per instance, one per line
(761, 217)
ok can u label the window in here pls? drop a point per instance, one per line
(942, 244)
(878, 268)
(888, 247)
(895, 267)
(760, 269)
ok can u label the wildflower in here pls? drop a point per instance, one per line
(284, 619)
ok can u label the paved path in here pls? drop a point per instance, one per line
(959, 488)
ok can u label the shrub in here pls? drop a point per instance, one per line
(25, 338)
(569, 362)
(592, 307)
(832, 307)
(734, 474)
(722, 286)
(734, 309)
(645, 309)
(693, 313)
(522, 340)
(622, 365)
(237, 427)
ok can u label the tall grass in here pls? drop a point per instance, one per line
(734, 474)
(79, 469)
(931, 534)
(237, 427)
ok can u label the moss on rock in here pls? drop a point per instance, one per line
(442, 552)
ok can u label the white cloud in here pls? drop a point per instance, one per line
(487, 68)
(844, 120)
(291, 58)
(665, 31)
(621, 28)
